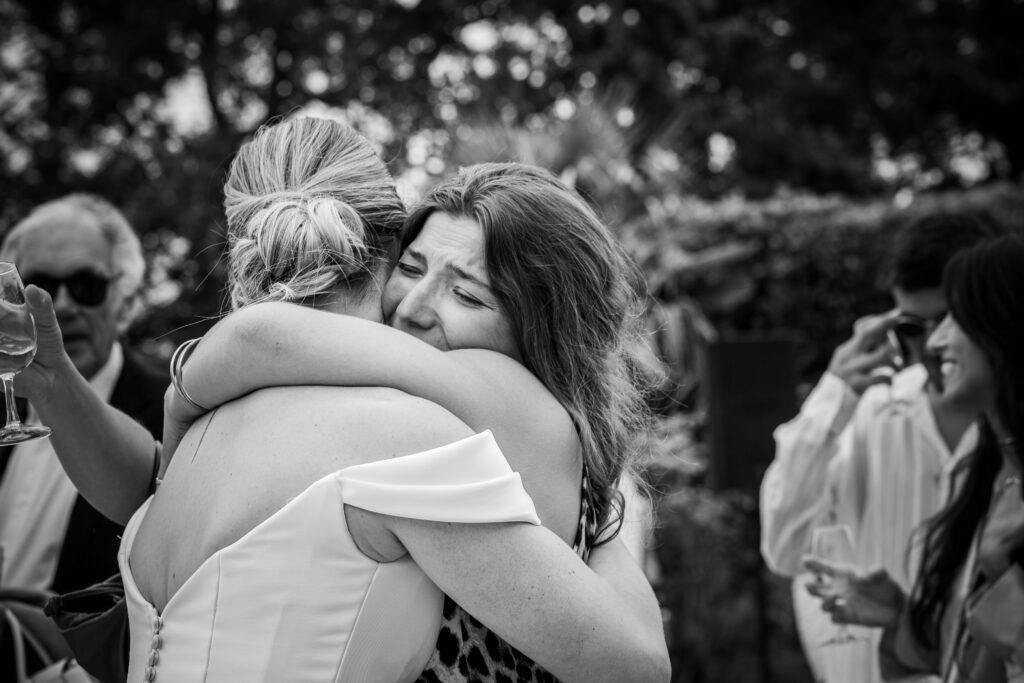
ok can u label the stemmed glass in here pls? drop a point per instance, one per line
(834, 544)
(17, 349)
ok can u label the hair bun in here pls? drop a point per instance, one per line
(338, 227)
(296, 245)
(311, 210)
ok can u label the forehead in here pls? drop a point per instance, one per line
(924, 303)
(61, 241)
(451, 240)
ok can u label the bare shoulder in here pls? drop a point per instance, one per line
(347, 425)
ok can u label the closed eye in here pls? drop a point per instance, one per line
(469, 299)
(410, 269)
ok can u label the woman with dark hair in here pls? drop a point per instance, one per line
(512, 306)
(964, 618)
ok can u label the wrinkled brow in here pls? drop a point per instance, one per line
(461, 272)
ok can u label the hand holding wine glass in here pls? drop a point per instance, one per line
(833, 561)
(17, 348)
(873, 599)
(40, 380)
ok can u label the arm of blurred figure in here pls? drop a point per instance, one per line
(815, 455)
(107, 455)
(995, 609)
(901, 655)
(995, 615)
(796, 487)
(586, 624)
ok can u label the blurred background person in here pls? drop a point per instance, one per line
(81, 250)
(964, 619)
(871, 450)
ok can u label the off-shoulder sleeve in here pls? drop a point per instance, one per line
(468, 481)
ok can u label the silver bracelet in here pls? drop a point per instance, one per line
(181, 355)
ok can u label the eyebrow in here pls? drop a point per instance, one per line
(458, 270)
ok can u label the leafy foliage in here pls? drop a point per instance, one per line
(727, 619)
(644, 102)
(809, 95)
(803, 265)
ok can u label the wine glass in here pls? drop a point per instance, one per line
(834, 543)
(17, 349)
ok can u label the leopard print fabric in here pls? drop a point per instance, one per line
(467, 650)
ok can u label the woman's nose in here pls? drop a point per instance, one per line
(417, 307)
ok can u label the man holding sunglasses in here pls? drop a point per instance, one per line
(83, 252)
(874, 443)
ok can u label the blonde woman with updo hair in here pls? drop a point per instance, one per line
(308, 533)
(511, 305)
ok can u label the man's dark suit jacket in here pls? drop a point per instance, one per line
(89, 553)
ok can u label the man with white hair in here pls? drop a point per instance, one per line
(82, 251)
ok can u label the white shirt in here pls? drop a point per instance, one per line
(879, 465)
(36, 499)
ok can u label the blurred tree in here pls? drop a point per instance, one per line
(146, 102)
(754, 93)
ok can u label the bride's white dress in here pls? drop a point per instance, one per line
(295, 600)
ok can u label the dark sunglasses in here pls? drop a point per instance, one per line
(912, 327)
(911, 331)
(85, 287)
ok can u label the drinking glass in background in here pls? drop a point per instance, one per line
(834, 544)
(17, 349)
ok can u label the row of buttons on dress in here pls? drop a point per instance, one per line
(154, 650)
